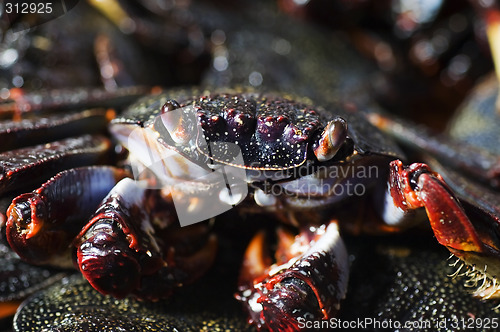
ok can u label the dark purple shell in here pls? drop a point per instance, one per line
(272, 132)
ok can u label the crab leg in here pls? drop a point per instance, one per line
(20, 102)
(480, 164)
(417, 186)
(23, 167)
(39, 230)
(307, 282)
(22, 133)
(132, 245)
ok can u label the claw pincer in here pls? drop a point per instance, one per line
(307, 282)
(41, 225)
(471, 240)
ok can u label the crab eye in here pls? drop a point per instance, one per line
(175, 122)
(169, 106)
(331, 139)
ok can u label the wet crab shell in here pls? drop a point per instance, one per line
(275, 133)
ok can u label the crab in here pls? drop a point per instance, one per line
(295, 157)
(299, 149)
(300, 161)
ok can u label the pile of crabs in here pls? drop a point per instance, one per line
(155, 153)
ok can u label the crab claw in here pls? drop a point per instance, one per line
(41, 233)
(131, 245)
(417, 186)
(307, 282)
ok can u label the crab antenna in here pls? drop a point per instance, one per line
(331, 139)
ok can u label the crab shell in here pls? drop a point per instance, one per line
(272, 137)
